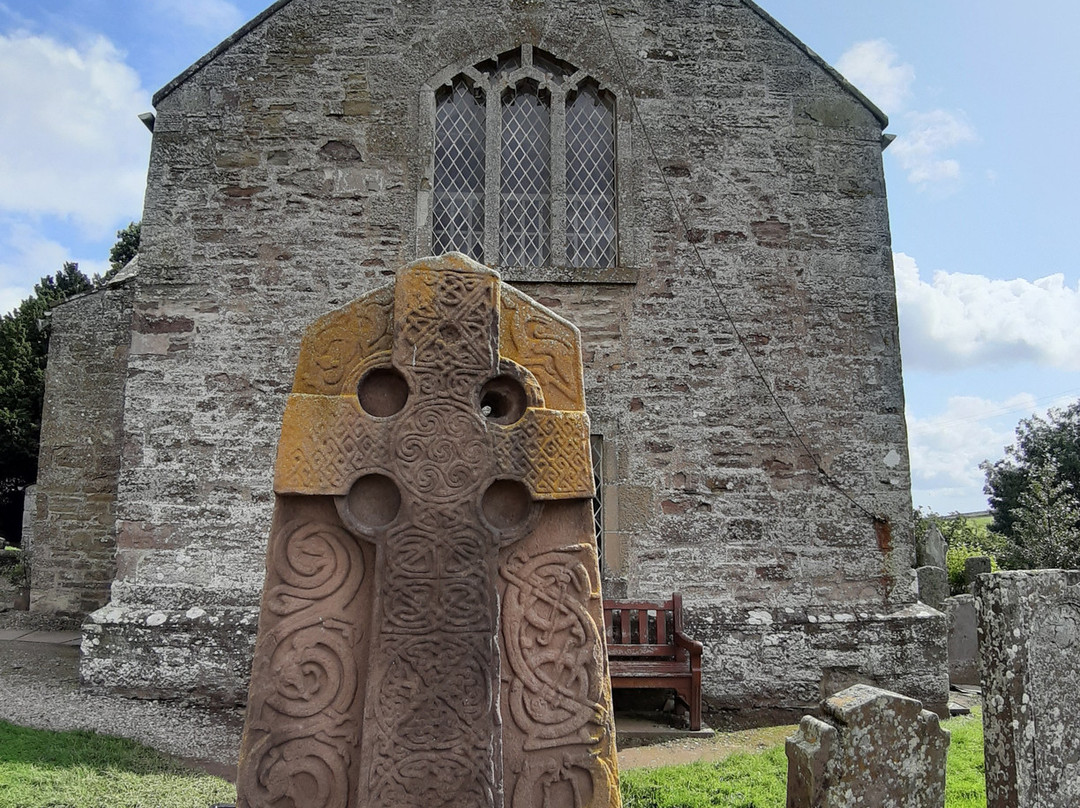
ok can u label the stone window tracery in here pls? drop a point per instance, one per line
(523, 168)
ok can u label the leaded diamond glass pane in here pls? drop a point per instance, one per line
(458, 193)
(525, 210)
(590, 180)
(596, 445)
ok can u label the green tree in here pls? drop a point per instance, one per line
(1043, 446)
(125, 248)
(1046, 524)
(24, 348)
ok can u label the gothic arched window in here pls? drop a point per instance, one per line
(524, 164)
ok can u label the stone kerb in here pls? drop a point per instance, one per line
(1029, 664)
(874, 748)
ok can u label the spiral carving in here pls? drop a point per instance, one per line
(439, 451)
(307, 771)
(303, 727)
(314, 672)
(315, 561)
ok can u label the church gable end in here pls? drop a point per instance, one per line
(329, 143)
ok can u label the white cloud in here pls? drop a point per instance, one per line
(10, 297)
(924, 139)
(72, 144)
(958, 320)
(210, 15)
(875, 69)
(26, 256)
(946, 449)
(921, 149)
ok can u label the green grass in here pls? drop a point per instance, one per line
(759, 780)
(744, 780)
(964, 783)
(85, 770)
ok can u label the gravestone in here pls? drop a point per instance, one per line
(1029, 663)
(963, 640)
(431, 624)
(930, 548)
(933, 586)
(975, 566)
(874, 748)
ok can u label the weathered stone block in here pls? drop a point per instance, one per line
(875, 749)
(1029, 664)
(167, 653)
(431, 629)
(963, 640)
(930, 549)
(974, 567)
(933, 586)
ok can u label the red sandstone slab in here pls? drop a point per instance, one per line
(430, 631)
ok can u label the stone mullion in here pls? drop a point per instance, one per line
(493, 173)
(558, 175)
(425, 196)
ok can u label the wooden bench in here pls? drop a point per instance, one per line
(647, 649)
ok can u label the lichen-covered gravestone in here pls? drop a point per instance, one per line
(875, 749)
(1029, 663)
(430, 632)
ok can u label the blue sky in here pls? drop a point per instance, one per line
(982, 181)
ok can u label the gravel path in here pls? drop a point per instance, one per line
(39, 688)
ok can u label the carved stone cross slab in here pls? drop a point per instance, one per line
(429, 633)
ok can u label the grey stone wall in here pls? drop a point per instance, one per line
(284, 181)
(1029, 665)
(74, 542)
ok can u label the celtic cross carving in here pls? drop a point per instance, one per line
(421, 482)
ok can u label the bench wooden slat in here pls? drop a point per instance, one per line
(624, 624)
(648, 667)
(661, 627)
(643, 625)
(636, 605)
(617, 651)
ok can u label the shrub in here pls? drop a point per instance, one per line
(955, 557)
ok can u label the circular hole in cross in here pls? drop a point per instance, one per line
(503, 400)
(382, 392)
(506, 504)
(374, 501)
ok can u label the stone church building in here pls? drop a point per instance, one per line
(682, 179)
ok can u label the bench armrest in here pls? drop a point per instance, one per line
(692, 647)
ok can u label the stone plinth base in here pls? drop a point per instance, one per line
(753, 661)
(763, 660)
(200, 655)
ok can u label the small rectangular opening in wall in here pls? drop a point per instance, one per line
(596, 444)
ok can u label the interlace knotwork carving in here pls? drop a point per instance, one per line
(552, 644)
